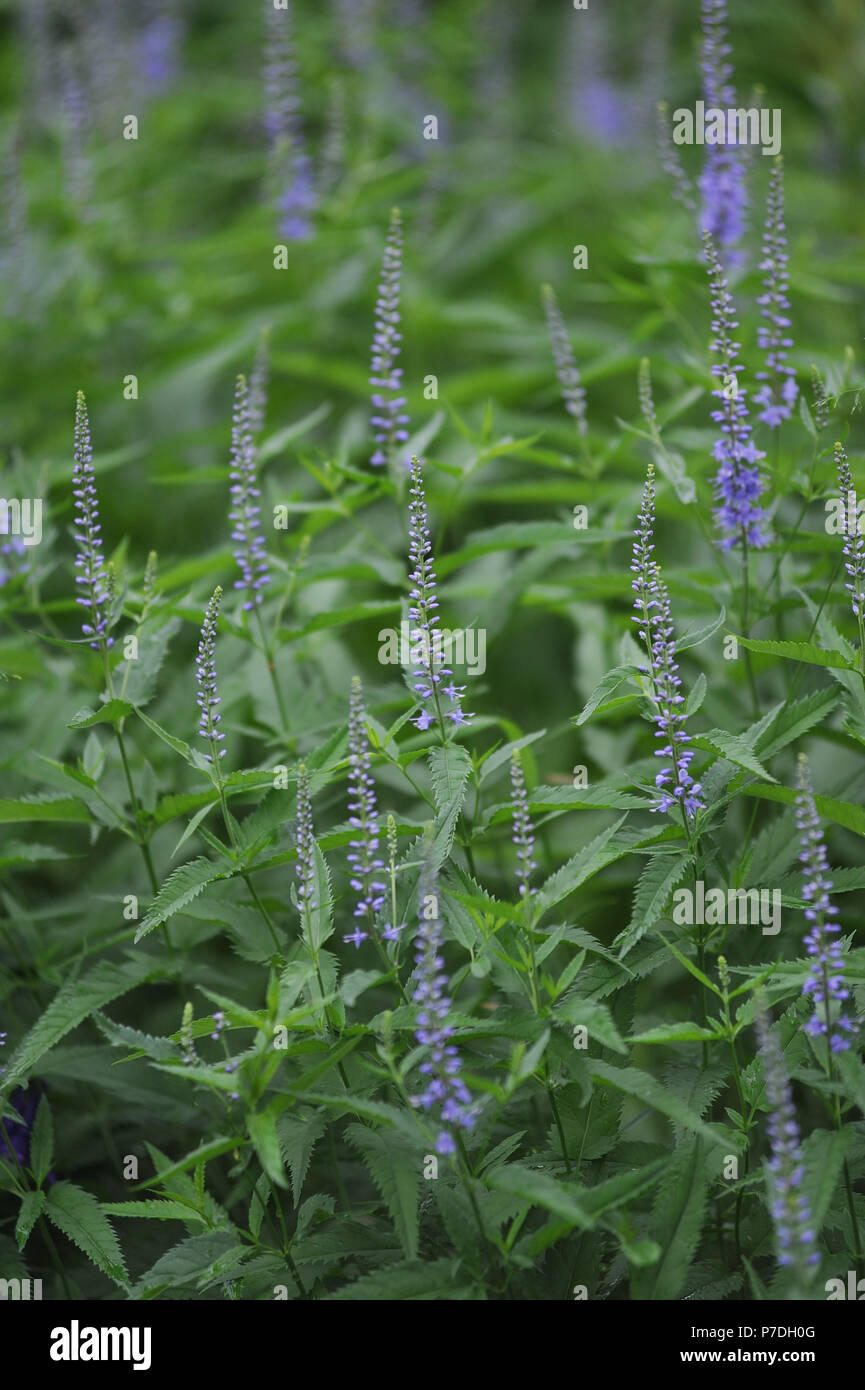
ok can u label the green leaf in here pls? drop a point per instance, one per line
(633, 1082)
(676, 1223)
(595, 1018)
(110, 713)
(43, 808)
(734, 748)
(261, 1125)
(674, 1032)
(298, 1136)
(540, 1190)
(394, 1168)
(580, 867)
(844, 813)
(42, 1142)
(606, 685)
(213, 1148)
(74, 1002)
(823, 1154)
(154, 1209)
(657, 882)
(180, 888)
(799, 651)
(31, 1209)
(624, 1187)
(78, 1215)
(424, 1280)
(176, 743)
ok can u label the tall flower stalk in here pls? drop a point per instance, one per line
(89, 561)
(778, 393)
(825, 984)
(854, 546)
(573, 393)
(655, 628)
(389, 419)
(439, 702)
(245, 511)
(791, 1214)
(208, 696)
(363, 855)
(290, 164)
(523, 835)
(738, 485)
(95, 596)
(445, 1095)
(722, 181)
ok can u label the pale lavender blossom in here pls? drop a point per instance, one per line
(245, 510)
(363, 856)
(290, 164)
(439, 701)
(444, 1093)
(854, 541)
(825, 984)
(655, 629)
(722, 181)
(305, 846)
(738, 484)
(791, 1213)
(389, 419)
(778, 394)
(205, 674)
(573, 393)
(524, 832)
(89, 561)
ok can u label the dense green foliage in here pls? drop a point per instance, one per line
(138, 890)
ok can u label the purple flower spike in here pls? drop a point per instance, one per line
(205, 674)
(290, 164)
(363, 855)
(854, 542)
(524, 832)
(778, 394)
(567, 371)
(444, 1092)
(655, 629)
(738, 484)
(791, 1214)
(825, 983)
(245, 511)
(305, 846)
(428, 654)
(388, 419)
(89, 562)
(722, 182)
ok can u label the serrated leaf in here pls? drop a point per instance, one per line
(261, 1125)
(656, 883)
(154, 1209)
(676, 1224)
(799, 651)
(298, 1136)
(31, 1209)
(606, 685)
(639, 1084)
(109, 713)
(423, 1280)
(735, 749)
(180, 888)
(78, 1215)
(394, 1168)
(73, 1002)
